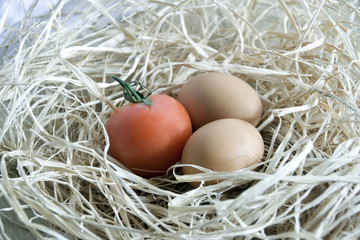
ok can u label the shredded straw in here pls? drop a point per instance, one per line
(56, 94)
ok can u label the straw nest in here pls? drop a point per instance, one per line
(302, 57)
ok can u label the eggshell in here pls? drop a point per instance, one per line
(224, 145)
(213, 95)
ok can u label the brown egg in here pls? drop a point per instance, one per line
(212, 96)
(224, 145)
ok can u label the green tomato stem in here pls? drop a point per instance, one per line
(132, 95)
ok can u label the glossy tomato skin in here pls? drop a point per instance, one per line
(149, 140)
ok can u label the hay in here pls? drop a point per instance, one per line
(56, 94)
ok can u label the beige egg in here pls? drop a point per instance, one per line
(213, 95)
(224, 145)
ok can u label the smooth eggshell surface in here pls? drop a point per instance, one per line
(213, 95)
(224, 145)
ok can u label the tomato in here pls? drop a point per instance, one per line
(149, 138)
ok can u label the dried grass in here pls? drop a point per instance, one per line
(301, 56)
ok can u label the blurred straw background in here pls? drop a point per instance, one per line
(56, 62)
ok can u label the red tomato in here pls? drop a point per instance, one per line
(149, 139)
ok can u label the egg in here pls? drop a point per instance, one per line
(213, 95)
(224, 145)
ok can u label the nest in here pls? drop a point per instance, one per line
(56, 94)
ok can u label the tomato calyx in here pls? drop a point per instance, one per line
(132, 95)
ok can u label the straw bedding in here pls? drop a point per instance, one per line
(56, 94)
